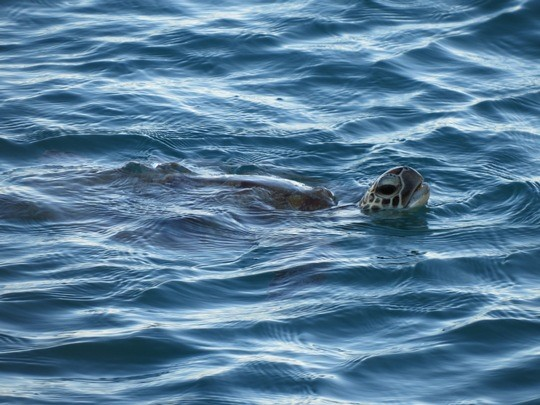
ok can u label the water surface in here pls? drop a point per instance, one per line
(118, 288)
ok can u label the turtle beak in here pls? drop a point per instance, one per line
(415, 192)
(420, 196)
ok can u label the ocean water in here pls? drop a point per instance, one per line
(116, 288)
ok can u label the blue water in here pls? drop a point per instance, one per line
(115, 288)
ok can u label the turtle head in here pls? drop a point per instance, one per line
(398, 188)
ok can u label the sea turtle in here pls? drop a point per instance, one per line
(398, 188)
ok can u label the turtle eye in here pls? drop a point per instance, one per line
(386, 189)
(388, 185)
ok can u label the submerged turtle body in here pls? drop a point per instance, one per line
(279, 193)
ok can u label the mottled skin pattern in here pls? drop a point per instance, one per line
(398, 188)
